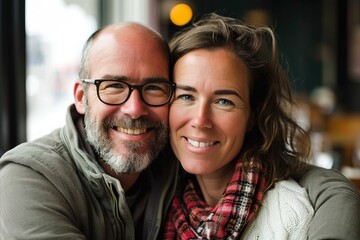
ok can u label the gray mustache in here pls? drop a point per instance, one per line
(132, 123)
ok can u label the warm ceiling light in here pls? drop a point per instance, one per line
(181, 14)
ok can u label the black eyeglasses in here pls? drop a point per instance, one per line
(115, 92)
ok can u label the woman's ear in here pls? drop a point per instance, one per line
(79, 97)
(251, 122)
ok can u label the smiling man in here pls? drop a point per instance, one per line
(94, 178)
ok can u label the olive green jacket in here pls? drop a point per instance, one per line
(53, 188)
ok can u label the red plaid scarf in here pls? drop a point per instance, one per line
(191, 218)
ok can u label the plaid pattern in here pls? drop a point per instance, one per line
(191, 218)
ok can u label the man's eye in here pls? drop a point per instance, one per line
(116, 85)
(112, 88)
(154, 87)
(111, 84)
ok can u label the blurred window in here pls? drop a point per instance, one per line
(56, 32)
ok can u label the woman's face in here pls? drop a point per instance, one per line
(211, 111)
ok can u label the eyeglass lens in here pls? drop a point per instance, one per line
(115, 92)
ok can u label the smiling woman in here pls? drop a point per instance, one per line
(242, 152)
(236, 142)
(203, 113)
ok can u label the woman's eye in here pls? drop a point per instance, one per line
(225, 102)
(185, 97)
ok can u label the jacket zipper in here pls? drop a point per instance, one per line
(115, 207)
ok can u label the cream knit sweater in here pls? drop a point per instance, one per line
(285, 213)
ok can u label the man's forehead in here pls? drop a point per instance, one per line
(127, 36)
(125, 31)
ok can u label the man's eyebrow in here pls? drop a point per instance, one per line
(228, 92)
(127, 79)
(115, 77)
(156, 79)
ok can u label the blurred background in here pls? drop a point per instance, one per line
(41, 43)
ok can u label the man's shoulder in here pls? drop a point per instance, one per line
(46, 161)
(336, 202)
(322, 184)
(46, 152)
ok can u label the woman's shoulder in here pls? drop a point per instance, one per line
(290, 202)
(285, 213)
(289, 187)
(290, 197)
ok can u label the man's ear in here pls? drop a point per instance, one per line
(79, 97)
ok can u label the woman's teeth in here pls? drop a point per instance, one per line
(199, 144)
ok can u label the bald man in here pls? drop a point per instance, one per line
(93, 178)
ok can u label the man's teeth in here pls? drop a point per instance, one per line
(132, 131)
(200, 144)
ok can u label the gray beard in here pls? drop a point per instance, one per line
(132, 161)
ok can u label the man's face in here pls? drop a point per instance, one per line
(127, 136)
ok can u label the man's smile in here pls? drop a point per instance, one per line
(131, 131)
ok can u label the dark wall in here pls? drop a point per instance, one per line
(12, 74)
(297, 24)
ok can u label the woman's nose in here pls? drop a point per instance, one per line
(201, 118)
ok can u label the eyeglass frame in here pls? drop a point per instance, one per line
(131, 87)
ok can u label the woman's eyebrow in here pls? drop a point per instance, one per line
(186, 88)
(228, 92)
(217, 92)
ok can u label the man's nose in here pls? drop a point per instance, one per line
(134, 107)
